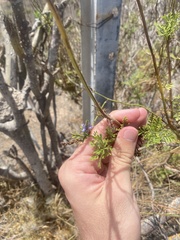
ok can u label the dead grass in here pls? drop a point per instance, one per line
(156, 187)
(27, 215)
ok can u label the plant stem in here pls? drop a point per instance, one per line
(73, 60)
(169, 75)
(128, 104)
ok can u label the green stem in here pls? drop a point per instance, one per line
(126, 104)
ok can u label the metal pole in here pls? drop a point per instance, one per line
(107, 38)
(100, 36)
(87, 56)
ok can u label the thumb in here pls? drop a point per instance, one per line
(122, 155)
(125, 144)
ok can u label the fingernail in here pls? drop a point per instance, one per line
(130, 134)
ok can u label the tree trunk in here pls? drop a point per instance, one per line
(22, 137)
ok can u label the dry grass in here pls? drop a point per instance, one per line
(27, 215)
(156, 187)
(161, 182)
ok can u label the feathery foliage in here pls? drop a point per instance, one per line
(156, 132)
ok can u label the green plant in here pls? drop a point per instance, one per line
(130, 26)
(156, 132)
(44, 18)
(167, 30)
(161, 174)
(103, 145)
(170, 24)
(134, 85)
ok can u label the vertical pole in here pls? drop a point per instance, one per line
(87, 56)
(107, 38)
(100, 35)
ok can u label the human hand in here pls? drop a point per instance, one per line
(102, 200)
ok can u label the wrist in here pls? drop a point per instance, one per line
(108, 232)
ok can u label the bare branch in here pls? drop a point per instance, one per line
(7, 94)
(13, 153)
(23, 29)
(13, 36)
(9, 173)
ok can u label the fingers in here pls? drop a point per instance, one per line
(135, 117)
(124, 145)
(120, 161)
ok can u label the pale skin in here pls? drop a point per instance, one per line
(102, 200)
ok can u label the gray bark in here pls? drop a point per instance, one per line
(23, 29)
(9, 173)
(18, 130)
